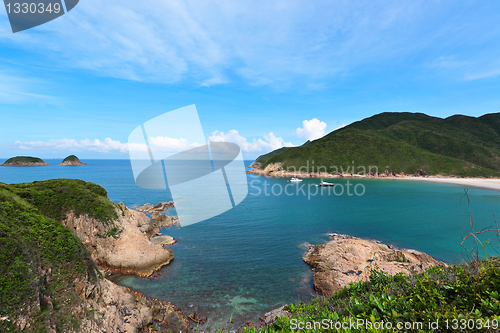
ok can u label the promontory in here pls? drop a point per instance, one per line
(58, 240)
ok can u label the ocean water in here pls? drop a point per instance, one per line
(249, 259)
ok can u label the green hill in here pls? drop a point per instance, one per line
(71, 158)
(24, 161)
(404, 142)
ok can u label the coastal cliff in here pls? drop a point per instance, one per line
(122, 246)
(346, 259)
(57, 238)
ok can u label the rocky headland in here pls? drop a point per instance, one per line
(72, 160)
(124, 246)
(347, 259)
(71, 237)
(20, 161)
(277, 170)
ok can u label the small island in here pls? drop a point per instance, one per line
(24, 161)
(72, 160)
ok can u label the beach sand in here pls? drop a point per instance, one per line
(490, 184)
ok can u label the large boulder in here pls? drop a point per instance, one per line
(347, 259)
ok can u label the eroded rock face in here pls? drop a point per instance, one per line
(113, 308)
(347, 259)
(161, 220)
(270, 317)
(124, 246)
(150, 209)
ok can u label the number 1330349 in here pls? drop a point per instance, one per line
(33, 8)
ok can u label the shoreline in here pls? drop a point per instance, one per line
(479, 182)
(482, 183)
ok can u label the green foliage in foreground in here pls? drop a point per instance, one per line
(27, 159)
(403, 142)
(39, 257)
(71, 158)
(55, 198)
(463, 298)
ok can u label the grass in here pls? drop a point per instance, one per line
(39, 257)
(467, 293)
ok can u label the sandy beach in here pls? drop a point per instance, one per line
(490, 184)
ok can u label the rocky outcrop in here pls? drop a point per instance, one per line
(150, 209)
(161, 220)
(163, 240)
(270, 317)
(107, 307)
(72, 160)
(347, 259)
(123, 246)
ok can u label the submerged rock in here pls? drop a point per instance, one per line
(163, 240)
(347, 259)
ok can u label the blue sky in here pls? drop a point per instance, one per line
(261, 74)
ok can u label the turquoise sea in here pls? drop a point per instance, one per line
(249, 259)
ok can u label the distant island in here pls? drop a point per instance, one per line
(72, 160)
(394, 144)
(24, 161)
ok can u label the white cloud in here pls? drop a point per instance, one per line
(260, 41)
(73, 145)
(311, 129)
(269, 143)
(161, 144)
(483, 75)
(170, 145)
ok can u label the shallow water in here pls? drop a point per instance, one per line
(249, 258)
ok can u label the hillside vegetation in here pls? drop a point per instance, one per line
(462, 298)
(71, 158)
(403, 142)
(40, 258)
(24, 159)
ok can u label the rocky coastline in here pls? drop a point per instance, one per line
(126, 246)
(347, 259)
(277, 170)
